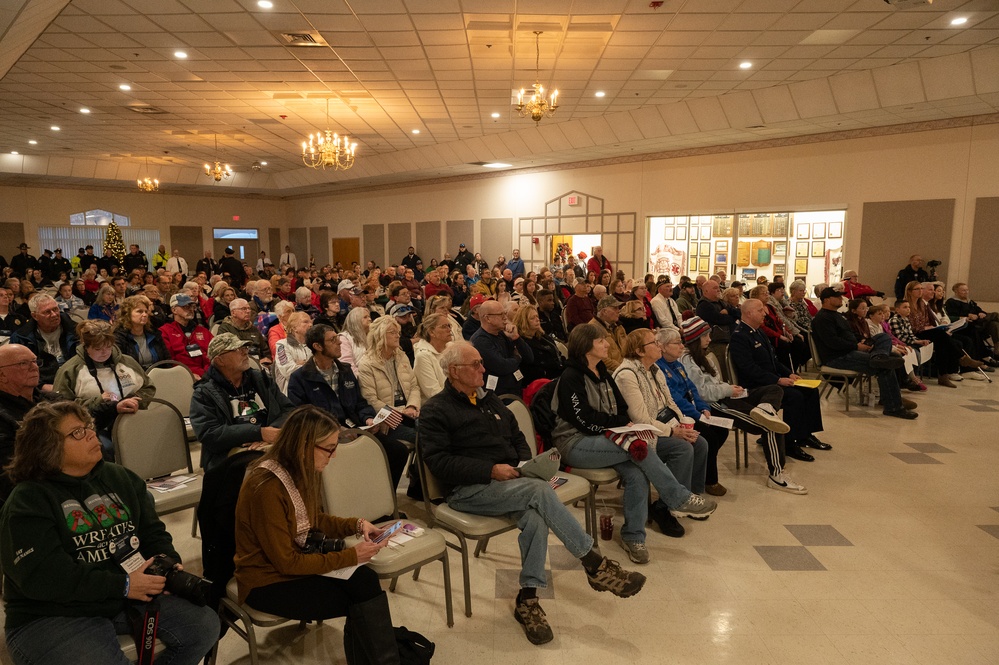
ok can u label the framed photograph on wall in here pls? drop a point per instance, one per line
(780, 249)
(721, 258)
(779, 269)
(801, 231)
(668, 233)
(801, 266)
(692, 265)
(705, 265)
(801, 249)
(819, 231)
(694, 232)
(721, 245)
(705, 249)
(835, 230)
(681, 233)
(818, 249)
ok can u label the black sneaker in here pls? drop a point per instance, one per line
(611, 577)
(669, 525)
(904, 414)
(529, 614)
(885, 361)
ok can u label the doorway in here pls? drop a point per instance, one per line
(346, 251)
(247, 251)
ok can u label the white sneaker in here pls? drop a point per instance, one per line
(954, 377)
(765, 416)
(784, 484)
(974, 376)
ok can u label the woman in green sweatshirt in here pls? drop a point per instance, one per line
(69, 530)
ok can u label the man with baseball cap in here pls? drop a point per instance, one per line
(606, 318)
(463, 259)
(838, 347)
(472, 322)
(186, 341)
(235, 406)
(59, 264)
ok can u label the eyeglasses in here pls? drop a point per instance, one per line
(329, 451)
(649, 343)
(477, 364)
(80, 433)
(24, 364)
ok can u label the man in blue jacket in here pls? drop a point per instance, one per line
(516, 265)
(502, 350)
(329, 384)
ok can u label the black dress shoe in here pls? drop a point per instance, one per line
(668, 524)
(813, 442)
(794, 452)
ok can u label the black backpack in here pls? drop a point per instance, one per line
(542, 414)
(414, 648)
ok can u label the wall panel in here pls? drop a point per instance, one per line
(497, 238)
(374, 244)
(428, 242)
(983, 275)
(400, 238)
(187, 239)
(298, 238)
(319, 245)
(460, 231)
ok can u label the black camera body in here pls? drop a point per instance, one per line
(317, 542)
(933, 265)
(180, 583)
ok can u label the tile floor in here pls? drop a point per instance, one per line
(892, 557)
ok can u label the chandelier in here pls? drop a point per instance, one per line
(328, 150)
(148, 184)
(537, 107)
(221, 170)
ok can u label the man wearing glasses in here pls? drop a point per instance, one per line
(18, 394)
(502, 350)
(49, 335)
(234, 406)
(240, 323)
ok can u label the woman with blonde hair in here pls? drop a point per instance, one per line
(104, 308)
(387, 380)
(354, 337)
(947, 354)
(441, 304)
(547, 359)
(435, 336)
(291, 352)
(222, 295)
(135, 335)
(283, 309)
(279, 572)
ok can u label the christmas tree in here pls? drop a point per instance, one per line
(114, 242)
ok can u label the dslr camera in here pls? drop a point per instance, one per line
(933, 265)
(189, 587)
(317, 542)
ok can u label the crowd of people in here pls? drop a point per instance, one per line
(639, 375)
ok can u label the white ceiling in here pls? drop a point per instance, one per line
(671, 79)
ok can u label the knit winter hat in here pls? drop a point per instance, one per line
(693, 328)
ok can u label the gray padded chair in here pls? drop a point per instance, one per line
(358, 483)
(174, 384)
(825, 373)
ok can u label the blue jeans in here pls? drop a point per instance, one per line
(187, 630)
(536, 508)
(599, 452)
(860, 361)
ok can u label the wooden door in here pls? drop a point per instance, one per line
(346, 251)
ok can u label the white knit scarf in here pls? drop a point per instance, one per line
(302, 524)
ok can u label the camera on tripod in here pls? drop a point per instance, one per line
(179, 583)
(932, 265)
(317, 542)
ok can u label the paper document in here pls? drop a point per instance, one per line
(641, 431)
(808, 383)
(956, 325)
(170, 483)
(744, 394)
(343, 573)
(718, 421)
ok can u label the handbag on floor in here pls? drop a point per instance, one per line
(414, 648)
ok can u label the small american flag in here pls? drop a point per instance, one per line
(393, 419)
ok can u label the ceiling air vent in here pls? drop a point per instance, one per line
(146, 110)
(306, 38)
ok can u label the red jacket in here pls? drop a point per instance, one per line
(176, 341)
(857, 290)
(593, 265)
(431, 290)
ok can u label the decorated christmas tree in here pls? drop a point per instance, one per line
(114, 242)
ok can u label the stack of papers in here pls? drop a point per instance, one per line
(169, 484)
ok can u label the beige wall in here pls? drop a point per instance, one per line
(961, 163)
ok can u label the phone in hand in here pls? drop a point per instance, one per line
(388, 532)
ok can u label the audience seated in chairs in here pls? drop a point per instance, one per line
(984, 324)
(877, 322)
(436, 332)
(291, 352)
(49, 335)
(547, 359)
(135, 335)
(948, 355)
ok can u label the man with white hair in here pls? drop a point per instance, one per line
(177, 263)
(472, 445)
(852, 288)
(50, 335)
(664, 308)
(240, 323)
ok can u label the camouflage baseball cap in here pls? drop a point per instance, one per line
(224, 343)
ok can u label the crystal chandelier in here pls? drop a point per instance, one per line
(221, 170)
(148, 184)
(328, 150)
(537, 107)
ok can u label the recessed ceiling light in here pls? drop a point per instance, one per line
(959, 21)
(263, 163)
(54, 128)
(124, 86)
(496, 165)
(179, 54)
(599, 93)
(495, 115)
(33, 142)
(14, 152)
(265, 4)
(416, 131)
(745, 65)
(84, 110)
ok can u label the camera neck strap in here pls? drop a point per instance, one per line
(144, 625)
(302, 523)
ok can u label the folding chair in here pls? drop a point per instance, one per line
(849, 376)
(739, 429)
(175, 384)
(358, 483)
